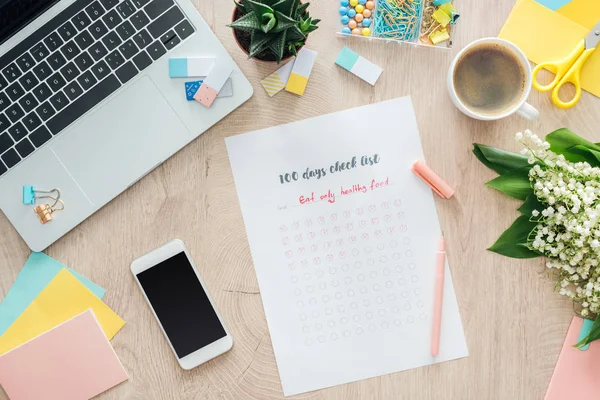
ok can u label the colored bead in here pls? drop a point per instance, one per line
(351, 13)
(366, 22)
(352, 24)
(353, 3)
(362, 2)
(366, 32)
(346, 30)
(344, 3)
(356, 31)
(345, 19)
(359, 9)
(370, 5)
(367, 13)
(343, 10)
(358, 17)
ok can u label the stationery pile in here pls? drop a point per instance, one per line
(54, 332)
(547, 35)
(216, 82)
(293, 76)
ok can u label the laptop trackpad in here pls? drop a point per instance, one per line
(121, 141)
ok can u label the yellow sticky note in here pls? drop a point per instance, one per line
(584, 12)
(296, 84)
(545, 35)
(62, 299)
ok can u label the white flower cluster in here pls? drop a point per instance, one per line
(568, 230)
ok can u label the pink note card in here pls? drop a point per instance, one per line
(73, 361)
(577, 372)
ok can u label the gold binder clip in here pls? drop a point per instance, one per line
(45, 211)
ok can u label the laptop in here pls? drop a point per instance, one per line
(87, 105)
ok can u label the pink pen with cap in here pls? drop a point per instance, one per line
(432, 179)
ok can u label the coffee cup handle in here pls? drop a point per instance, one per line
(529, 112)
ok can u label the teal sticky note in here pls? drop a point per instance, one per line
(347, 58)
(585, 330)
(37, 272)
(178, 67)
(554, 4)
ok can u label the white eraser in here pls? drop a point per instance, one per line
(359, 66)
(190, 66)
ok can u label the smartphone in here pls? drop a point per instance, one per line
(181, 304)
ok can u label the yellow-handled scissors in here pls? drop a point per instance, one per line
(568, 70)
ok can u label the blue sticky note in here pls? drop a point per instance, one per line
(37, 272)
(554, 4)
(347, 58)
(191, 88)
(585, 330)
(178, 67)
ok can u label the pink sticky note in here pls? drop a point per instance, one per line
(576, 373)
(73, 361)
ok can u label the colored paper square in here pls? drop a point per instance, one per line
(205, 95)
(576, 373)
(296, 84)
(177, 67)
(62, 299)
(36, 274)
(553, 4)
(347, 58)
(191, 88)
(72, 361)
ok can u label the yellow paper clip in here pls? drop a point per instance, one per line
(441, 17)
(449, 9)
(45, 211)
(439, 36)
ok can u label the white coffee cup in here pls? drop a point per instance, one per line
(521, 107)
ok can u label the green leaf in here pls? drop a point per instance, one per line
(268, 22)
(302, 9)
(260, 8)
(285, 6)
(531, 203)
(591, 156)
(513, 242)
(248, 23)
(499, 160)
(562, 141)
(514, 183)
(295, 35)
(594, 334)
(278, 47)
(283, 22)
(259, 42)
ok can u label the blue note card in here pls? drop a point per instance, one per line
(37, 272)
(191, 88)
(553, 4)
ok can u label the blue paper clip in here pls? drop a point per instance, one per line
(30, 194)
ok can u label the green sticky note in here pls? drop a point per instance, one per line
(37, 272)
(347, 58)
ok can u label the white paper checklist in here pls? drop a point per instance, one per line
(344, 237)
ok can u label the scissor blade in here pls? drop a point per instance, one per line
(592, 40)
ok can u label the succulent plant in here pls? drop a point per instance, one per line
(274, 26)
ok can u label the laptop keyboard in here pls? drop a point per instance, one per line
(74, 62)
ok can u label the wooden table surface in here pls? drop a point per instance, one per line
(514, 323)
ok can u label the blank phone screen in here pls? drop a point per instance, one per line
(181, 305)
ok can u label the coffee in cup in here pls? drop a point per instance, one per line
(491, 79)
